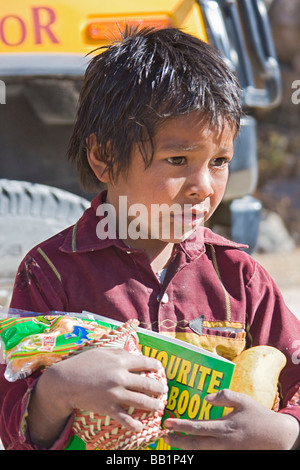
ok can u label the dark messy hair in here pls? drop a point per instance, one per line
(134, 85)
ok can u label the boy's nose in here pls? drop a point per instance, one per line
(199, 185)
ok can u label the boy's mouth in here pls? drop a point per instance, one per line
(193, 215)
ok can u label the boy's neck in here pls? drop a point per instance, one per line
(159, 253)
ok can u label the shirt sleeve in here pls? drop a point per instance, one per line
(14, 403)
(270, 322)
(37, 289)
(38, 285)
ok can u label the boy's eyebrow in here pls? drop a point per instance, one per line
(185, 147)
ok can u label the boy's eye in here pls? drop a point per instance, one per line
(221, 161)
(176, 160)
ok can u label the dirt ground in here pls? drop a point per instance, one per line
(285, 270)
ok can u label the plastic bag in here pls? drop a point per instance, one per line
(30, 343)
(38, 341)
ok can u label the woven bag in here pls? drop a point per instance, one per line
(104, 433)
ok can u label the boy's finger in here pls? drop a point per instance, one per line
(120, 415)
(147, 385)
(210, 428)
(227, 398)
(141, 401)
(140, 363)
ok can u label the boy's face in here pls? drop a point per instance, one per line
(188, 175)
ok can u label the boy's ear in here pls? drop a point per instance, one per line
(97, 165)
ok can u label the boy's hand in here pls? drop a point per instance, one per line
(114, 384)
(102, 380)
(250, 426)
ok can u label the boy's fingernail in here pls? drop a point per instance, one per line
(167, 424)
(211, 396)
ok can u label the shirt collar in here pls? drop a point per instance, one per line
(82, 237)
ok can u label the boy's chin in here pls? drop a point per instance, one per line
(190, 234)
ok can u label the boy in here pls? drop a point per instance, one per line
(156, 123)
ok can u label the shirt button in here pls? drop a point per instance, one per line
(165, 298)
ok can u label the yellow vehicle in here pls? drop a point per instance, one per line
(38, 39)
(76, 27)
(43, 55)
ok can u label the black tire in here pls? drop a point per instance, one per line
(29, 214)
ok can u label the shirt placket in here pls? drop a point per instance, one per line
(166, 310)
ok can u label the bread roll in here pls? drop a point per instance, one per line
(256, 374)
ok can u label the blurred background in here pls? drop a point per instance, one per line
(279, 128)
(43, 49)
(279, 159)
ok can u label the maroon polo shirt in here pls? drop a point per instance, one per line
(208, 278)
